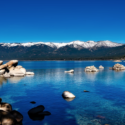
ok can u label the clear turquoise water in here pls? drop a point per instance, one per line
(104, 104)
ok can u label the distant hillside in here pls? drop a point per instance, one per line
(75, 50)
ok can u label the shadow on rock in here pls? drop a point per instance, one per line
(37, 113)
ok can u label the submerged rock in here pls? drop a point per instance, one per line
(33, 102)
(37, 113)
(67, 94)
(36, 110)
(86, 91)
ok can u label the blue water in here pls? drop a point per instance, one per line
(104, 104)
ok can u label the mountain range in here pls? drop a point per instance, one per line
(75, 50)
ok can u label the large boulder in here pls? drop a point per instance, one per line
(2, 71)
(12, 63)
(18, 67)
(6, 75)
(5, 106)
(3, 66)
(18, 72)
(91, 69)
(17, 115)
(67, 94)
(118, 67)
(1, 62)
(6, 118)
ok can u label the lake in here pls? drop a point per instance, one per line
(104, 104)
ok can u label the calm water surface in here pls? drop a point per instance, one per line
(104, 104)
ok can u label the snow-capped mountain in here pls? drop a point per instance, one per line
(74, 44)
(62, 51)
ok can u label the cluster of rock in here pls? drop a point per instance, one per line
(91, 69)
(38, 113)
(12, 68)
(9, 116)
(118, 67)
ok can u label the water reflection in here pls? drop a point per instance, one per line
(15, 79)
(68, 99)
(2, 80)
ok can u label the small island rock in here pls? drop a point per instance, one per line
(91, 69)
(101, 67)
(70, 71)
(67, 94)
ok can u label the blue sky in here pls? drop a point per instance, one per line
(62, 20)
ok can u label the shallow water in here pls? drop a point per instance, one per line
(104, 104)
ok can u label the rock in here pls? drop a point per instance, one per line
(6, 118)
(23, 70)
(18, 116)
(29, 73)
(10, 118)
(19, 75)
(3, 66)
(36, 117)
(86, 91)
(5, 106)
(45, 113)
(67, 94)
(1, 62)
(101, 67)
(70, 71)
(6, 75)
(118, 67)
(91, 69)
(11, 68)
(18, 67)
(18, 72)
(12, 63)
(2, 71)
(33, 102)
(36, 110)
(37, 113)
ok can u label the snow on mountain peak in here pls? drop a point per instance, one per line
(76, 44)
